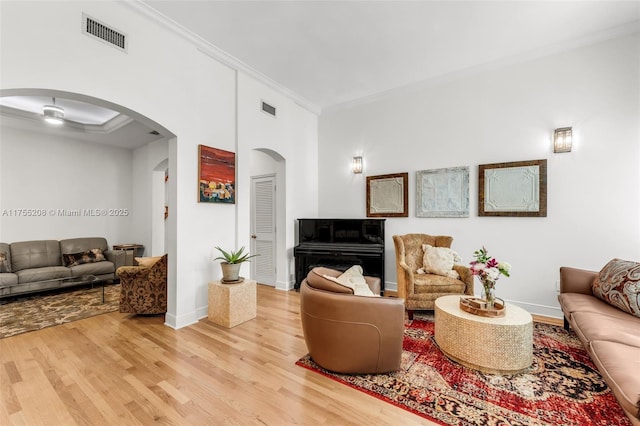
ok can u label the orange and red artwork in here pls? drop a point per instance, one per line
(216, 175)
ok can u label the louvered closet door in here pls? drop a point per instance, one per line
(263, 234)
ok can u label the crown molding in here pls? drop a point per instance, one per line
(220, 55)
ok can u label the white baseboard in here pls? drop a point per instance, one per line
(285, 285)
(532, 308)
(202, 312)
(177, 322)
(543, 310)
(390, 286)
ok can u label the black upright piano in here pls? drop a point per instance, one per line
(340, 244)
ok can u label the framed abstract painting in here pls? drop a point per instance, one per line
(216, 175)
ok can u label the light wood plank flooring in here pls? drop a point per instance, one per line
(118, 369)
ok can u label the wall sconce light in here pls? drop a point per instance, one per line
(356, 165)
(562, 140)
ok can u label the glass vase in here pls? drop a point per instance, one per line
(489, 294)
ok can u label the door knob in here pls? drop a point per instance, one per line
(253, 236)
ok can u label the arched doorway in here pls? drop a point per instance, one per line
(146, 159)
(268, 170)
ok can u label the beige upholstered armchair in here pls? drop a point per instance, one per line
(347, 333)
(420, 291)
(144, 287)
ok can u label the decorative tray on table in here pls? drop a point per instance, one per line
(479, 307)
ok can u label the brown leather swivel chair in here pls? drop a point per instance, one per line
(421, 290)
(350, 334)
(144, 288)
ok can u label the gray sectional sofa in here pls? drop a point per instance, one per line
(31, 266)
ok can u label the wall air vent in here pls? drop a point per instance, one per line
(269, 109)
(111, 36)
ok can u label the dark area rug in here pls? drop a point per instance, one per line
(34, 312)
(562, 387)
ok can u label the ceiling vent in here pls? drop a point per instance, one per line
(269, 109)
(97, 29)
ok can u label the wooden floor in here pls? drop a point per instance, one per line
(118, 369)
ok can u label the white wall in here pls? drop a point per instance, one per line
(145, 179)
(293, 137)
(167, 79)
(507, 115)
(66, 181)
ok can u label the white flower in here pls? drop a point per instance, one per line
(479, 267)
(504, 266)
(492, 273)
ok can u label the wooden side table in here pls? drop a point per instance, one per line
(130, 252)
(502, 345)
(232, 304)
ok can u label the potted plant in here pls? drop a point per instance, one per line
(231, 262)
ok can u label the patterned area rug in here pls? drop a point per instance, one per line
(562, 387)
(34, 312)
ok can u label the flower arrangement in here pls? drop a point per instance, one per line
(488, 270)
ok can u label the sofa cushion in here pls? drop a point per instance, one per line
(96, 268)
(618, 283)
(35, 254)
(619, 363)
(43, 274)
(439, 261)
(590, 326)
(86, 256)
(431, 283)
(8, 280)
(76, 245)
(578, 302)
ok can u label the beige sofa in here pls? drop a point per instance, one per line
(610, 335)
(31, 266)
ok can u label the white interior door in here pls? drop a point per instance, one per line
(263, 229)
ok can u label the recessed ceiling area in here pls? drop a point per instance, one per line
(84, 121)
(75, 111)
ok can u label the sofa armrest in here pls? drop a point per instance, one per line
(405, 279)
(126, 273)
(573, 280)
(466, 277)
(118, 257)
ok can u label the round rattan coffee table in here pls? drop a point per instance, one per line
(502, 345)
